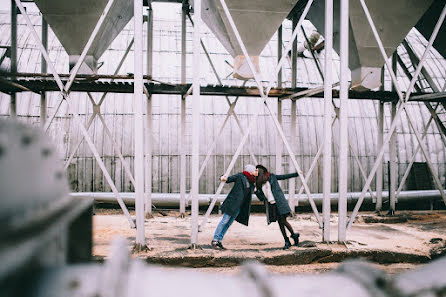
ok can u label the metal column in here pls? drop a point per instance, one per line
(379, 171)
(195, 124)
(392, 150)
(139, 129)
(148, 138)
(292, 181)
(403, 99)
(182, 142)
(278, 139)
(279, 55)
(343, 122)
(12, 105)
(294, 55)
(43, 69)
(326, 206)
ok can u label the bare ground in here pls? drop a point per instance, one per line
(394, 244)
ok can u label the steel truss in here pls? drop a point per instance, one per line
(143, 154)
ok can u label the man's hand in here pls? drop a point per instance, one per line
(223, 178)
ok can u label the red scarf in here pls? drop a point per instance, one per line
(251, 178)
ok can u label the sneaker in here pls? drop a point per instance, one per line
(217, 245)
(220, 245)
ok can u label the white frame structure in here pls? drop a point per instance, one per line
(143, 149)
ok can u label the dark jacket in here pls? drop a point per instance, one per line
(239, 198)
(279, 197)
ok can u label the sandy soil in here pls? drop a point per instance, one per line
(397, 243)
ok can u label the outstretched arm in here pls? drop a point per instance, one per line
(287, 176)
(228, 180)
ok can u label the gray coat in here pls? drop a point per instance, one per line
(239, 198)
(279, 197)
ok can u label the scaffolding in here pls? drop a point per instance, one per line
(140, 85)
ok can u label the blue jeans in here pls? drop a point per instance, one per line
(224, 225)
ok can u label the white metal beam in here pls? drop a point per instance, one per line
(182, 140)
(328, 111)
(13, 57)
(195, 125)
(43, 69)
(75, 115)
(343, 122)
(139, 125)
(402, 101)
(149, 131)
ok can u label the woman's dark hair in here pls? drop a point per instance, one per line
(262, 177)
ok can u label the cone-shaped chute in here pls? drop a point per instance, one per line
(256, 21)
(74, 21)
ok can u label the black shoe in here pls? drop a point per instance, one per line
(217, 245)
(287, 244)
(295, 237)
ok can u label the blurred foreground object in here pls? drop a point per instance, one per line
(41, 225)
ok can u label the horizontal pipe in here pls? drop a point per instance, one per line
(173, 199)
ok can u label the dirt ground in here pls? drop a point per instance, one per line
(394, 244)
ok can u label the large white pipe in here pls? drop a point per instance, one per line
(173, 199)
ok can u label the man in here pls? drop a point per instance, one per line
(237, 205)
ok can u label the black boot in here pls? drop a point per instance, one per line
(287, 244)
(295, 237)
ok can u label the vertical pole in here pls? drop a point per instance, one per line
(392, 149)
(195, 123)
(327, 119)
(139, 131)
(12, 105)
(148, 139)
(379, 171)
(278, 139)
(343, 122)
(182, 142)
(294, 55)
(43, 69)
(279, 104)
(279, 55)
(292, 183)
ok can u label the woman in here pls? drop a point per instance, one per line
(268, 190)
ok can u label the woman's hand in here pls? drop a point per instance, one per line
(223, 178)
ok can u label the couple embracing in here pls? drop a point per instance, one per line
(237, 205)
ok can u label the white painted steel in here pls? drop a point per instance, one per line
(195, 124)
(292, 182)
(379, 171)
(328, 114)
(392, 162)
(73, 72)
(406, 173)
(43, 69)
(182, 143)
(343, 122)
(138, 103)
(402, 101)
(278, 142)
(13, 104)
(149, 130)
(75, 115)
(262, 94)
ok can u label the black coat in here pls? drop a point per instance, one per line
(239, 198)
(281, 202)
